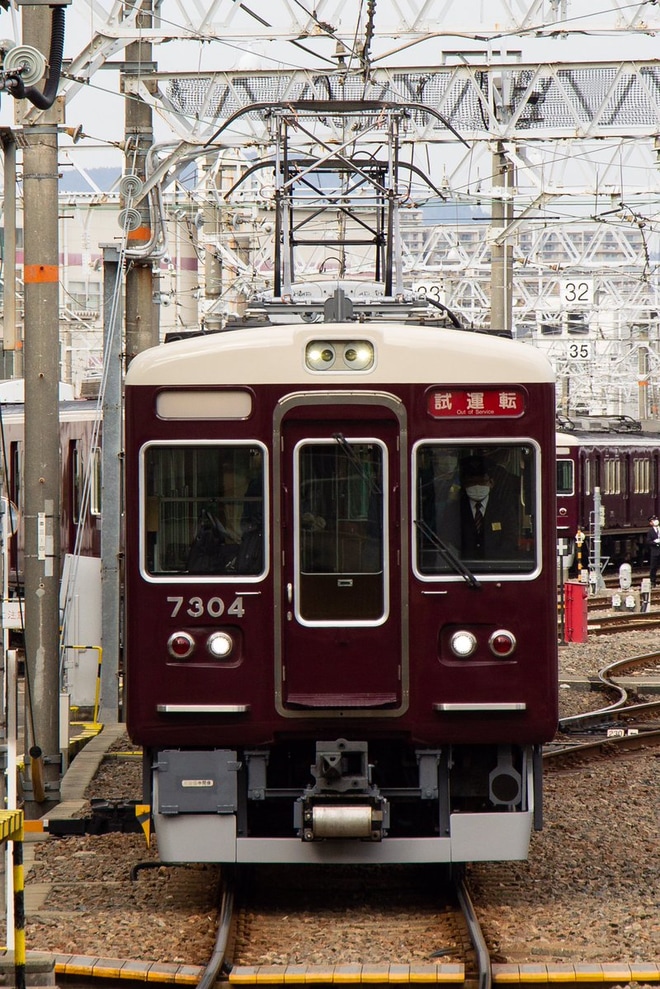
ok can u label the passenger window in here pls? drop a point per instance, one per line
(204, 510)
(475, 505)
(565, 477)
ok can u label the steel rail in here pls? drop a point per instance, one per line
(485, 975)
(212, 970)
(623, 622)
(553, 758)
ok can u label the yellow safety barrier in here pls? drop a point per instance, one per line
(11, 829)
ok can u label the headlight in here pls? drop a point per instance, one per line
(463, 644)
(220, 645)
(358, 355)
(319, 355)
(337, 355)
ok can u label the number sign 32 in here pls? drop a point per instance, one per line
(577, 291)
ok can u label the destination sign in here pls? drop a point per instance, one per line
(475, 403)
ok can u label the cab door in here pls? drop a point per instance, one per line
(342, 634)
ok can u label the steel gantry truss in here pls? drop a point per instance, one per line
(384, 28)
(473, 80)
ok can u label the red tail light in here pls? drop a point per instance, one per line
(180, 645)
(502, 643)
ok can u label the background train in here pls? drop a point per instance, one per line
(614, 454)
(80, 473)
(318, 668)
(80, 537)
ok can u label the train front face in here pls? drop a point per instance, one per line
(324, 662)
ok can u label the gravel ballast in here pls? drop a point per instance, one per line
(589, 892)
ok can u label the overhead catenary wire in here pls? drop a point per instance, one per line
(556, 23)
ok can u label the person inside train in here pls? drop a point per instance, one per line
(482, 523)
(210, 551)
(653, 543)
(222, 545)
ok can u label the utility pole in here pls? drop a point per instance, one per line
(42, 454)
(142, 324)
(501, 277)
(142, 331)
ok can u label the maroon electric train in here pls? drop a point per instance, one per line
(80, 477)
(323, 663)
(609, 461)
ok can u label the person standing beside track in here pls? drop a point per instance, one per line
(653, 542)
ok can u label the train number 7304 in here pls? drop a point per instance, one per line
(196, 607)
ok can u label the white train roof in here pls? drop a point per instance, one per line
(12, 391)
(411, 353)
(598, 440)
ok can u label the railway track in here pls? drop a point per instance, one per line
(601, 620)
(602, 601)
(636, 734)
(622, 707)
(623, 622)
(384, 924)
(85, 968)
(571, 755)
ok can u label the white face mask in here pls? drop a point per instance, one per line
(477, 492)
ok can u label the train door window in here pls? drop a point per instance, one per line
(612, 477)
(476, 506)
(565, 477)
(587, 477)
(340, 525)
(641, 475)
(203, 510)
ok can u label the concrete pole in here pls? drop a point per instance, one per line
(501, 277)
(213, 267)
(142, 322)
(643, 383)
(42, 455)
(183, 277)
(111, 490)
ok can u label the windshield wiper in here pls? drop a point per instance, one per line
(351, 455)
(448, 553)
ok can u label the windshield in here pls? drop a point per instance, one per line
(203, 509)
(480, 502)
